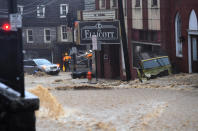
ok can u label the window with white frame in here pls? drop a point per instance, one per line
(154, 3)
(102, 4)
(41, 11)
(178, 35)
(29, 36)
(20, 9)
(63, 10)
(47, 35)
(63, 33)
(137, 3)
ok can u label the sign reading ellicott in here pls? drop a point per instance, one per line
(106, 32)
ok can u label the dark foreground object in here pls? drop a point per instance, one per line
(17, 113)
(80, 74)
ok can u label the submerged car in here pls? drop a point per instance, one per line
(43, 65)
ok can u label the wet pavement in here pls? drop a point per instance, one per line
(117, 109)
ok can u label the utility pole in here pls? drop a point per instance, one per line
(12, 6)
(12, 9)
(124, 40)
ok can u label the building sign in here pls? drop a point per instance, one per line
(106, 32)
(99, 15)
(15, 21)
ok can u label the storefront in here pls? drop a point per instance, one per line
(108, 36)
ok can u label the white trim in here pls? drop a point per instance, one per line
(189, 54)
(176, 37)
(61, 10)
(64, 40)
(190, 32)
(45, 40)
(21, 9)
(193, 25)
(27, 36)
(38, 11)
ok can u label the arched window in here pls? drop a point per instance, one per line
(193, 21)
(178, 35)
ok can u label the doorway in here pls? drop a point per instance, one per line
(194, 53)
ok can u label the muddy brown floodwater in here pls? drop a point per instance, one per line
(164, 104)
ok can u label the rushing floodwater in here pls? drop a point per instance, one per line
(117, 110)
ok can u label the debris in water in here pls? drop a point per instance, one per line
(49, 106)
(82, 87)
(58, 80)
(39, 73)
(105, 126)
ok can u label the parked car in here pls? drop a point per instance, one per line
(34, 65)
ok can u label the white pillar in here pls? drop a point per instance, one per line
(189, 54)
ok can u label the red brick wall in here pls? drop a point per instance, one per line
(184, 8)
(145, 14)
(134, 34)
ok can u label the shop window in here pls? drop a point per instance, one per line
(143, 51)
(145, 35)
(178, 36)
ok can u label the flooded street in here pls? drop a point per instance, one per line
(119, 106)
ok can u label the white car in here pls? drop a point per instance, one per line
(35, 65)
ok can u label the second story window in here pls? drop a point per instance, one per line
(47, 36)
(29, 36)
(102, 4)
(137, 3)
(114, 3)
(63, 10)
(41, 11)
(20, 9)
(63, 33)
(154, 3)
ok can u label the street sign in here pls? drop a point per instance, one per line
(94, 42)
(73, 50)
(15, 21)
(108, 32)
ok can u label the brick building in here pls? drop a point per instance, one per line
(109, 61)
(184, 35)
(162, 27)
(145, 33)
